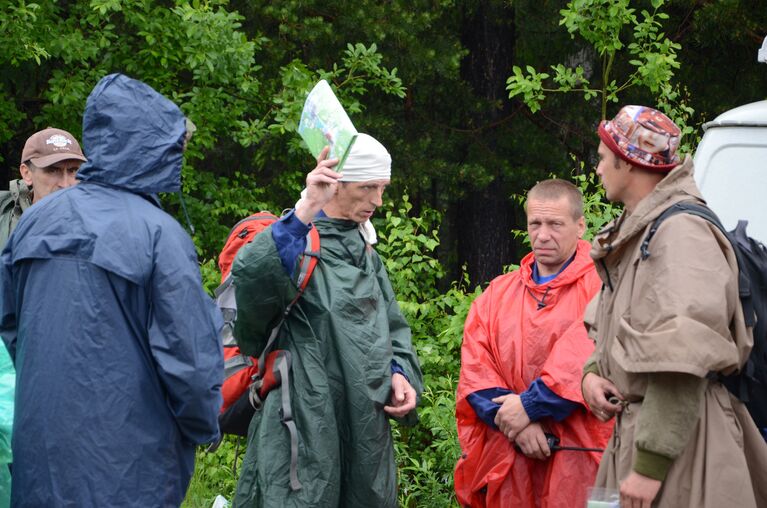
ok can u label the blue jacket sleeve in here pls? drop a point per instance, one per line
(289, 235)
(482, 403)
(540, 402)
(183, 336)
(396, 368)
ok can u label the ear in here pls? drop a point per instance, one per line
(26, 174)
(581, 227)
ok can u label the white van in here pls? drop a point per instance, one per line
(731, 165)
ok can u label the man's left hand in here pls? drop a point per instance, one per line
(511, 417)
(532, 442)
(638, 491)
(402, 397)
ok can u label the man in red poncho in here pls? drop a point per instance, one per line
(523, 350)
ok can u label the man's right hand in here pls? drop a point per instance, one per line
(321, 184)
(532, 441)
(596, 392)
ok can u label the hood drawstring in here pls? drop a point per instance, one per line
(542, 302)
(186, 214)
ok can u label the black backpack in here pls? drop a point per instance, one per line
(750, 384)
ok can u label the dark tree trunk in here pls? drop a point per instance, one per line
(485, 217)
(485, 244)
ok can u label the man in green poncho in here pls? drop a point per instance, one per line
(353, 364)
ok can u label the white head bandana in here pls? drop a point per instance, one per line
(367, 160)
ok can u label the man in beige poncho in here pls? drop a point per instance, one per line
(661, 325)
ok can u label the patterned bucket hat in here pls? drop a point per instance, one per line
(644, 137)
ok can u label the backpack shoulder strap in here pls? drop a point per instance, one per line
(307, 263)
(308, 260)
(677, 208)
(224, 298)
(277, 374)
(744, 284)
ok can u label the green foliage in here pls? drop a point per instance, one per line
(596, 209)
(599, 22)
(407, 244)
(530, 86)
(215, 473)
(603, 25)
(18, 25)
(197, 53)
(426, 454)
(215, 205)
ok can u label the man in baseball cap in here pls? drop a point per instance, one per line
(49, 162)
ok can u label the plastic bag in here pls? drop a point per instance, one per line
(220, 502)
(603, 498)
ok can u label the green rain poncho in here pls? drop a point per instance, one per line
(342, 334)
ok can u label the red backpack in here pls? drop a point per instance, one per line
(247, 380)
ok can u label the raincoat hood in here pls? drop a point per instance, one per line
(134, 137)
(580, 266)
(115, 342)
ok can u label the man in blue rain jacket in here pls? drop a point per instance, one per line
(101, 306)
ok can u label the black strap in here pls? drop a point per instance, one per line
(736, 239)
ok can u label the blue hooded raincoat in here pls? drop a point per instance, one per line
(115, 343)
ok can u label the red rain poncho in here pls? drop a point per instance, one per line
(508, 343)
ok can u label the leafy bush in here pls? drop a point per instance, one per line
(427, 453)
(215, 473)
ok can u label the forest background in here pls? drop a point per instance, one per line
(475, 100)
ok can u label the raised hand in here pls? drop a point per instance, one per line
(321, 184)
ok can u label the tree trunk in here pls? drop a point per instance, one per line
(485, 216)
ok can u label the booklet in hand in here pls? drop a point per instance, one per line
(324, 122)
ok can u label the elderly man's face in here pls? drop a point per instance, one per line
(357, 201)
(48, 180)
(553, 231)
